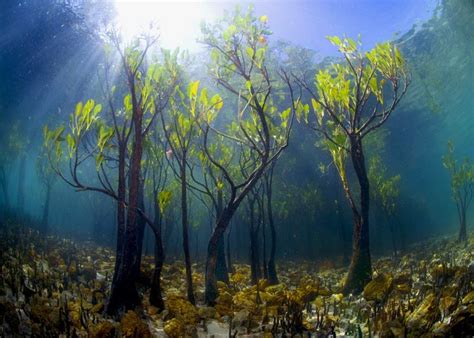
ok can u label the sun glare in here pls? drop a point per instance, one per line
(178, 22)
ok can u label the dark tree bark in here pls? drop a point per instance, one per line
(221, 268)
(141, 229)
(211, 262)
(44, 218)
(263, 149)
(124, 294)
(228, 253)
(360, 269)
(185, 225)
(121, 190)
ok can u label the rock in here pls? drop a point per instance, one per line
(217, 330)
(378, 288)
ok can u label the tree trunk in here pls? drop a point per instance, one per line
(156, 298)
(211, 292)
(21, 184)
(229, 260)
(124, 294)
(44, 219)
(228, 212)
(141, 229)
(360, 269)
(184, 223)
(462, 226)
(121, 190)
(221, 268)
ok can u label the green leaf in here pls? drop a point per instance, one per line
(127, 102)
(335, 40)
(250, 52)
(78, 109)
(97, 109)
(193, 89)
(164, 199)
(71, 145)
(217, 102)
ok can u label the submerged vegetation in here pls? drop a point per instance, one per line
(254, 145)
(462, 185)
(52, 286)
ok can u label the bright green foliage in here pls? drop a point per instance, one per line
(53, 143)
(462, 177)
(345, 88)
(84, 120)
(181, 126)
(240, 65)
(164, 199)
(341, 108)
(240, 30)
